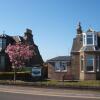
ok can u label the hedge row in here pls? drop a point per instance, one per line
(24, 76)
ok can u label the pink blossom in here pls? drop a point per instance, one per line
(19, 53)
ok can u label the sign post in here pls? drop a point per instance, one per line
(36, 71)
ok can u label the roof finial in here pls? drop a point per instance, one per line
(79, 28)
(90, 29)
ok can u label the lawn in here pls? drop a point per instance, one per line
(74, 83)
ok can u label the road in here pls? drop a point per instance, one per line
(30, 93)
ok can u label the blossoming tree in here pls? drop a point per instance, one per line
(18, 54)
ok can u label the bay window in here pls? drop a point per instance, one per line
(90, 63)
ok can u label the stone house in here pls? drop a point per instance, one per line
(59, 68)
(84, 60)
(85, 55)
(5, 40)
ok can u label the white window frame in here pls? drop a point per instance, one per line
(58, 64)
(63, 63)
(92, 62)
(94, 38)
(88, 37)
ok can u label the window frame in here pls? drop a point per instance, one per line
(89, 36)
(92, 36)
(63, 63)
(90, 59)
(2, 43)
(59, 64)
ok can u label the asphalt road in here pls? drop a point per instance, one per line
(29, 93)
(15, 96)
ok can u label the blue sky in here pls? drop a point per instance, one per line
(53, 22)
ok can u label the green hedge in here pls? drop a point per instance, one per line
(24, 76)
(19, 76)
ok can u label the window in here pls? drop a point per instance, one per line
(98, 63)
(95, 39)
(61, 66)
(57, 66)
(0, 42)
(82, 63)
(4, 43)
(89, 39)
(90, 63)
(84, 40)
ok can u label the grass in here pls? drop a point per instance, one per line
(90, 83)
(73, 83)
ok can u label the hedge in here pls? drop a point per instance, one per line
(19, 76)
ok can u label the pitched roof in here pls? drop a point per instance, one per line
(60, 58)
(90, 30)
(17, 38)
(3, 35)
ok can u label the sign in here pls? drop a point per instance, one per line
(36, 71)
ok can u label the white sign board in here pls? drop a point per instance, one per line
(36, 71)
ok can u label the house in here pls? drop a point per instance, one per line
(5, 40)
(85, 55)
(59, 68)
(84, 60)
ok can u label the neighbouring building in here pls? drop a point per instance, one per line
(84, 60)
(85, 55)
(59, 68)
(5, 40)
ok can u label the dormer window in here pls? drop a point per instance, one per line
(2, 43)
(89, 38)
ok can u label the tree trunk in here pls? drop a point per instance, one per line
(14, 75)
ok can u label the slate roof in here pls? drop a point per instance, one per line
(60, 58)
(3, 35)
(17, 38)
(77, 45)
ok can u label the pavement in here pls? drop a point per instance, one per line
(38, 93)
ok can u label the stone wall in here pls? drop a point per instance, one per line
(54, 75)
